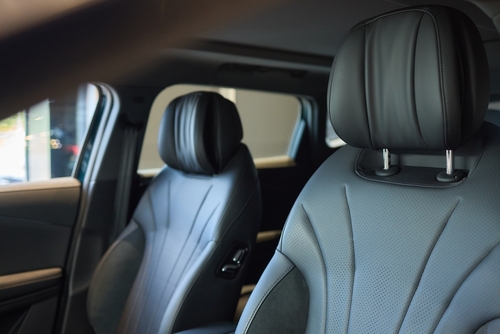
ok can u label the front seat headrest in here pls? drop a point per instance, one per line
(416, 78)
(199, 133)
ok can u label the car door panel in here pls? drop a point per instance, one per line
(36, 220)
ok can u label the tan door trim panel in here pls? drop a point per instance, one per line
(29, 277)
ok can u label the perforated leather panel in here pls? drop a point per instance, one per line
(406, 256)
(386, 258)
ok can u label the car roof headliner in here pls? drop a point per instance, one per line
(299, 34)
(318, 26)
(128, 42)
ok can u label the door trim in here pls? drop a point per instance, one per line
(29, 277)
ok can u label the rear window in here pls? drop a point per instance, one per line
(271, 125)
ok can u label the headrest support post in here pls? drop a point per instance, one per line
(451, 174)
(387, 170)
(450, 162)
(387, 158)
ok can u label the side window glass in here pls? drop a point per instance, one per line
(43, 141)
(271, 125)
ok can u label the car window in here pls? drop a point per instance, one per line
(43, 141)
(271, 124)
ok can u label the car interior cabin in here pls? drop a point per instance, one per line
(278, 166)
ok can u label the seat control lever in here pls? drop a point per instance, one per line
(233, 261)
(238, 256)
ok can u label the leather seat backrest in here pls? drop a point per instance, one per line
(404, 253)
(164, 273)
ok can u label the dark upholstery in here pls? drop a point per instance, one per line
(413, 79)
(162, 274)
(379, 256)
(108, 296)
(199, 133)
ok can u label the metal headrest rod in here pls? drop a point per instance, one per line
(387, 170)
(450, 162)
(387, 158)
(450, 175)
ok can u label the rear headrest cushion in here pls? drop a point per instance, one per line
(199, 133)
(416, 78)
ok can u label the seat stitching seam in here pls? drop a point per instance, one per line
(367, 113)
(199, 238)
(234, 191)
(192, 228)
(233, 196)
(441, 73)
(179, 255)
(324, 264)
(147, 259)
(151, 208)
(463, 281)
(157, 260)
(203, 266)
(414, 93)
(369, 21)
(429, 254)
(353, 259)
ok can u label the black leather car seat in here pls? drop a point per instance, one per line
(180, 261)
(374, 247)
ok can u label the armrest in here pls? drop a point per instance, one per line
(215, 328)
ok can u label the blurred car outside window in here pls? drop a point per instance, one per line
(43, 141)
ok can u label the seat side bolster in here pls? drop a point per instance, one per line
(202, 291)
(113, 279)
(279, 303)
